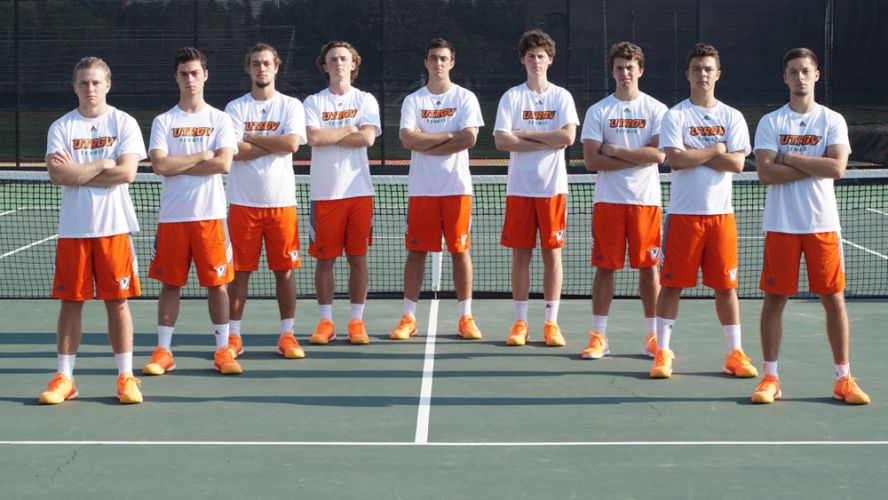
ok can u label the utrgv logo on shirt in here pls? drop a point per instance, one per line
(708, 131)
(800, 140)
(339, 115)
(537, 115)
(192, 131)
(437, 113)
(627, 123)
(96, 143)
(261, 126)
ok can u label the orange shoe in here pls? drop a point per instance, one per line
(738, 365)
(552, 335)
(406, 328)
(357, 334)
(767, 391)
(236, 343)
(650, 345)
(161, 362)
(662, 364)
(597, 348)
(223, 362)
(58, 390)
(324, 333)
(846, 390)
(518, 334)
(468, 329)
(289, 347)
(128, 391)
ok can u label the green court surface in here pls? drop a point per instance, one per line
(441, 417)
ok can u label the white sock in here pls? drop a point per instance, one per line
(357, 311)
(552, 310)
(165, 336)
(66, 364)
(664, 332)
(287, 325)
(326, 311)
(410, 308)
(520, 310)
(124, 362)
(465, 308)
(732, 336)
(843, 370)
(599, 324)
(221, 334)
(234, 327)
(771, 368)
(650, 325)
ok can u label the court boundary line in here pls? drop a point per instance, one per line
(491, 444)
(428, 369)
(865, 249)
(32, 244)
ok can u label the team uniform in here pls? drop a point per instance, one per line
(96, 222)
(700, 228)
(192, 207)
(262, 191)
(802, 216)
(341, 189)
(627, 201)
(537, 183)
(439, 187)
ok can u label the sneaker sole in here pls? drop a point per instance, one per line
(72, 396)
(726, 371)
(661, 375)
(320, 340)
(394, 336)
(517, 342)
(228, 371)
(470, 337)
(595, 356)
(170, 369)
(359, 341)
(296, 355)
(130, 400)
(838, 397)
(765, 402)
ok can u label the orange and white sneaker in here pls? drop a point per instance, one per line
(58, 390)
(650, 345)
(737, 364)
(161, 362)
(597, 348)
(236, 342)
(768, 390)
(406, 328)
(224, 363)
(324, 333)
(289, 347)
(468, 329)
(662, 364)
(357, 334)
(846, 390)
(552, 335)
(518, 334)
(128, 389)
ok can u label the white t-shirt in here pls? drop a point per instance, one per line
(630, 124)
(91, 212)
(339, 172)
(807, 205)
(453, 111)
(702, 190)
(186, 198)
(268, 181)
(536, 174)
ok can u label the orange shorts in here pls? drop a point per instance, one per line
(525, 215)
(341, 224)
(178, 243)
(823, 258)
(694, 241)
(429, 216)
(614, 224)
(109, 261)
(279, 226)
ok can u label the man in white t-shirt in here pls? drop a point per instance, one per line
(191, 146)
(535, 122)
(93, 152)
(262, 193)
(341, 122)
(705, 142)
(799, 150)
(621, 135)
(439, 123)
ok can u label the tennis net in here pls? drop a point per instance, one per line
(29, 212)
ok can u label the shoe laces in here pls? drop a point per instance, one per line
(518, 328)
(128, 380)
(661, 357)
(57, 382)
(595, 339)
(226, 355)
(740, 356)
(769, 383)
(848, 384)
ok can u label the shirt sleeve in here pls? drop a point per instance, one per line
(737, 140)
(408, 114)
(295, 120)
(370, 113)
(55, 139)
(237, 120)
(765, 135)
(312, 119)
(657, 115)
(130, 137)
(471, 112)
(504, 115)
(837, 131)
(158, 139)
(225, 137)
(568, 110)
(592, 126)
(670, 131)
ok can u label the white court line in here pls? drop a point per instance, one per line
(17, 250)
(548, 444)
(865, 249)
(428, 369)
(877, 211)
(10, 211)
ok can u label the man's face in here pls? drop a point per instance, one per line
(91, 86)
(439, 62)
(703, 72)
(338, 63)
(800, 76)
(626, 72)
(537, 61)
(191, 78)
(262, 68)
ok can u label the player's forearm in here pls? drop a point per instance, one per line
(690, 158)
(247, 151)
(319, 137)
(822, 166)
(75, 174)
(280, 144)
(220, 163)
(416, 140)
(597, 162)
(123, 173)
(363, 138)
(560, 138)
(174, 165)
(770, 173)
(639, 156)
(506, 141)
(461, 141)
(728, 162)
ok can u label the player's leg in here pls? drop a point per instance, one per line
(420, 238)
(644, 238)
(519, 234)
(281, 233)
(608, 254)
(552, 215)
(414, 271)
(326, 242)
(358, 238)
(245, 227)
(456, 216)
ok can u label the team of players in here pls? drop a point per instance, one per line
(94, 150)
